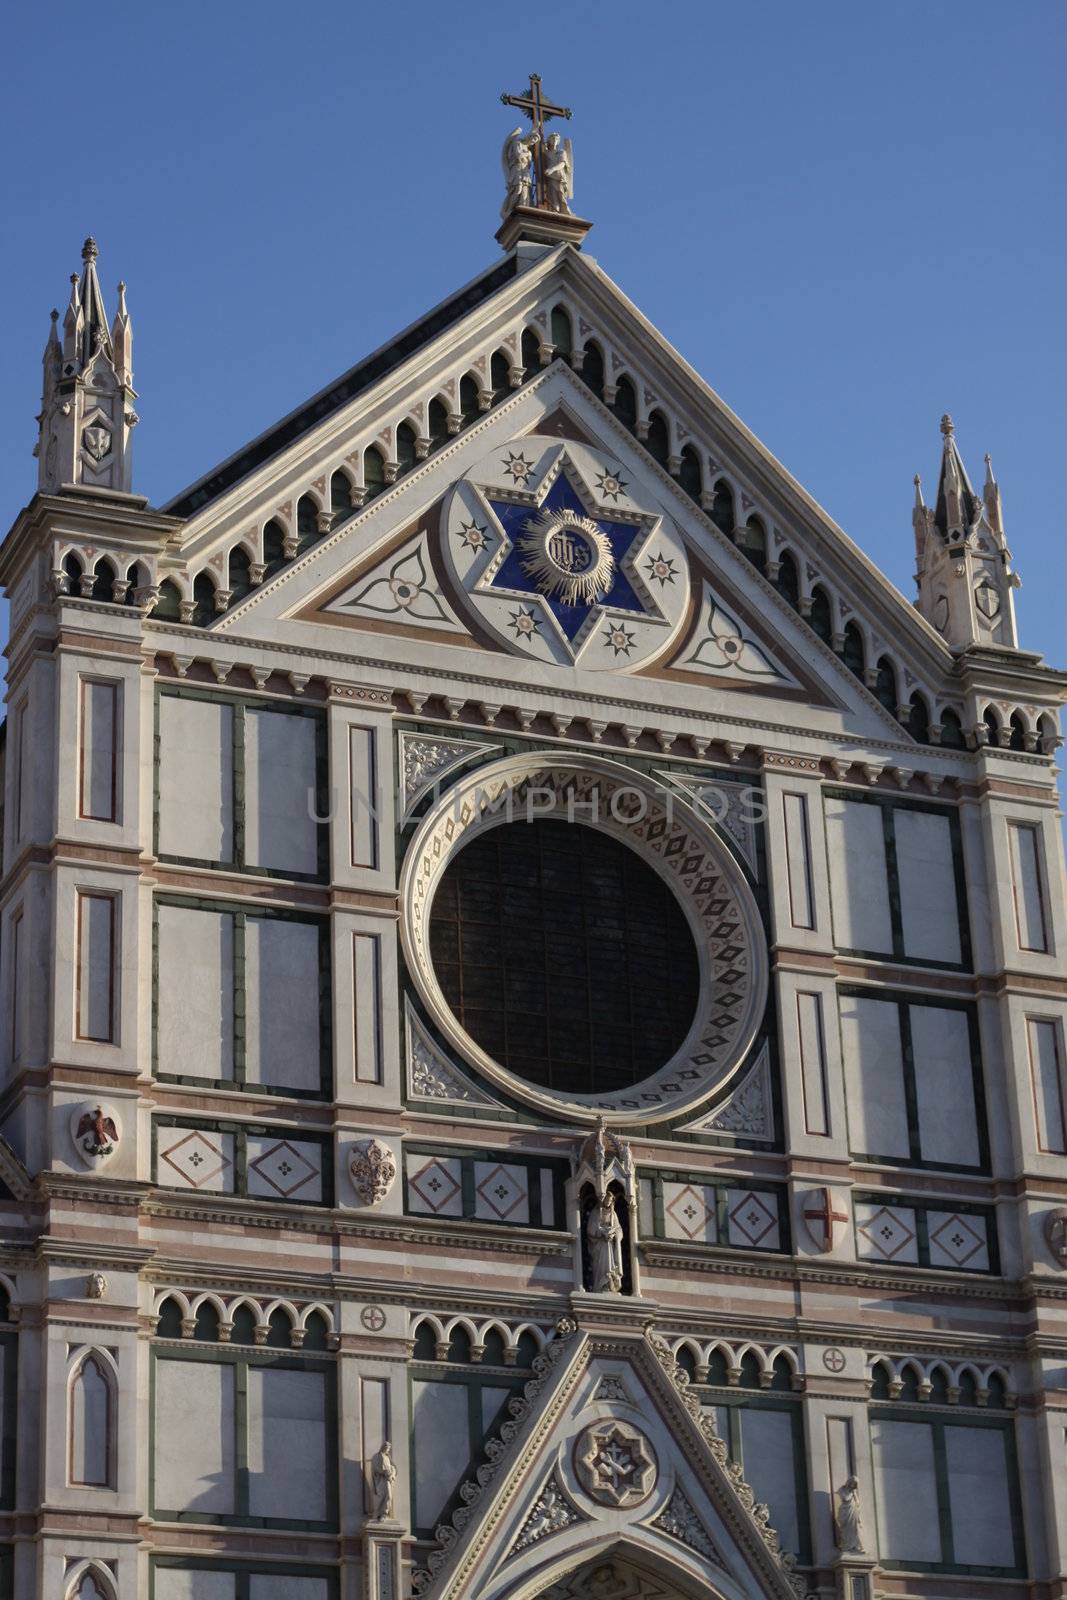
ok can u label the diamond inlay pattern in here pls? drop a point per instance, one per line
(501, 1192)
(284, 1169)
(434, 1186)
(753, 1219)
(885, 1233)
(689, 1212)
(958, 1241)
(196, 1158)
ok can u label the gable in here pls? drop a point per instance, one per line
(677, 439)
(607, 1463)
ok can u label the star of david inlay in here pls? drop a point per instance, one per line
(565, 558)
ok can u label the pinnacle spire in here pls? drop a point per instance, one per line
(95, 330)
(956, 502)
(991, 497)
(122, 339)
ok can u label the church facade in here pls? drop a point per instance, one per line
(533, 990)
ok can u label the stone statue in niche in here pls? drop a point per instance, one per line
(604, 1232)
(382, 1483)
(848, 1524)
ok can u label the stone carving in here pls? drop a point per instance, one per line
(611, 1388)
(1056, 1233)
(372, 1167)
(604, 1232)
(682, 1523)
(567, 556)
(96, 1286)
(615, 1463)
(407, 588)
(96, 1129)
(383, 1476)
(735, 808)
(848, 1524)
(552, 1512)
(724, 648)
(426, 761)
(517, 160)
(431, 1076)
(559, 174)
(748, 1111)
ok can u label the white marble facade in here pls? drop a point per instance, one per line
(271, 1203)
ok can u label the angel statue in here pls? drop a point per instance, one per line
(558, 175)
(517, 161)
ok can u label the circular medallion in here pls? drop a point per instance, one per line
(372, 1318)
(565, 556)
(556, 959)
(833, 1359)
(615, 1464)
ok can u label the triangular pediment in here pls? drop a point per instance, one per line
(383, 572)
(608, 1467)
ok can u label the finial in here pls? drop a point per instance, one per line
(89, 250)
(918, 490)
(74, 277)
(948, 427)
(54, 314)
(122, 298)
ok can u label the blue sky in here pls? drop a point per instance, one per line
(848, 217)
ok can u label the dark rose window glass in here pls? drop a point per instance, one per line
(565, 956)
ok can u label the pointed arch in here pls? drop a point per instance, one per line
(238, 574)
(437, 423)
(690, 473)
(593, 368)
(316, 1330)
(530, 348)
(1048, 733)
(1017, 731)
(885, 686)
(104, 575)
(92, 1402)
(245, 1318)
(722, 507)
(204, 609)
(821, 615)
(307, 522)
(658, 438)
(919, 718)
(952, 730)
(625, 404)
(562, 336)
(90, 1580)
(340, 493)
(854, 651)
(168, 607)
(752, 543)
(500, 375)
(424, 1346)
(881, 1380)
(469, 400)
(406, 451)
(170, 1315)
(280, 1325)
(788, 579)
(373, 471)
(273, 548)
(72, 566)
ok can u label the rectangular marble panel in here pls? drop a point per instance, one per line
(689, 1212)
(812, 1036)
(439, 1411)
(269, 1586)
(944, 1085)
(98, 754)
(280, 831)
(885, 1233)
(97, 968)
(928, 906)
(195, 779)
(798, 859)
(287, 1456)
(195, 1466)
(874, 1076)
(1046, 1072)
(194, 1019)
(367, 995)
(770, 1467)
(195, 1158)
(501, 1192)
(280, 1168)
(434, 1186)
(958, 1240)
(1028, 888)
(186, 1583)
(548, 1199)
(905, 1487)
(364, 798)
(859, 881)
(282, 1005)
(752, 1219)
(981, 1512)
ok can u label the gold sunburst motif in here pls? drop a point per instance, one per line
(568, 557)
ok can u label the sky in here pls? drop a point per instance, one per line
(848, 217)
